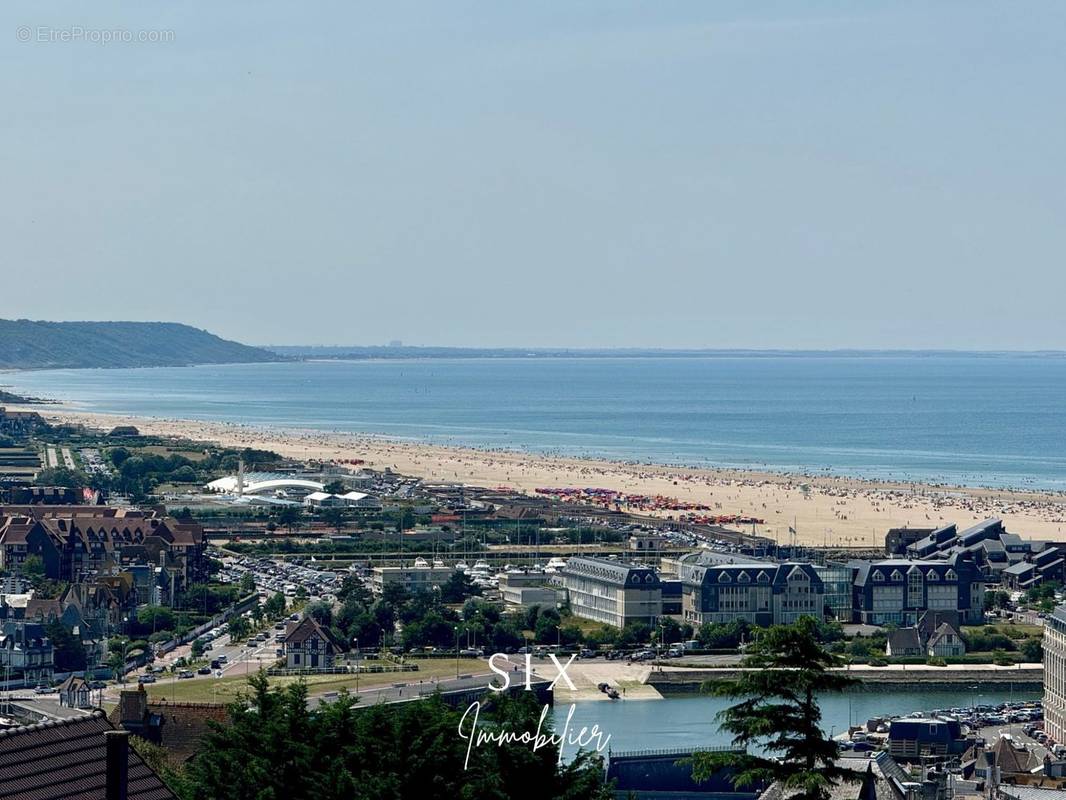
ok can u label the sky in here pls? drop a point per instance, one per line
(566, 174)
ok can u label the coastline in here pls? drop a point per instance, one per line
(839, 511)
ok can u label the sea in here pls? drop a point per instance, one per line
(994, 420)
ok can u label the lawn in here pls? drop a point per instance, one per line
(223, 690)
(1012, 629)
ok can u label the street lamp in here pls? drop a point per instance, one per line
(356, 640)
(457, 652)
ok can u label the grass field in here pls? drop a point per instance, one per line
(223, 690)
(1011, 629)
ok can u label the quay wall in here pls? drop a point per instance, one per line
(1029, 677)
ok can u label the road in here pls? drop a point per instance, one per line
(992, 733)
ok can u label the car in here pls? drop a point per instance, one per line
(146, 679)
(204, 671)
(216, 663)
(184, 674)
(251, 643)
(222, 659)
(42, 689)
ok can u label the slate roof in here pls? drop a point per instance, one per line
(618, 572)
(304, 630)
(1009, 759)
(903, 639)
(66, 760)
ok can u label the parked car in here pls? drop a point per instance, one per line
(146, 679)
(204, 671)
(185, 674)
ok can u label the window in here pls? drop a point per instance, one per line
(879, 575)
(744, 577)
(951, 575)
(763, 578)
(932, 576)
(723, 577)
(897, 575)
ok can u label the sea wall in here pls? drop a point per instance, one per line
(1028, 677)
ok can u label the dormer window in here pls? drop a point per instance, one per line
(743, 577)
(763, 577)
(879, 576)
(897, 575)
(723, 577)
(951, 575)
(931, 575)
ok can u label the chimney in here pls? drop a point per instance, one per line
(117, 764)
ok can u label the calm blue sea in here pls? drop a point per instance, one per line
(974, 420)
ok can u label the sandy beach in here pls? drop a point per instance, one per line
(833, 510)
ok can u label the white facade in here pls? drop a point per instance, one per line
(1055, 675)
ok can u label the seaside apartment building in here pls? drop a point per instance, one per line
(899, 591)
(759, 592)
(612, 592)
(1055, 674)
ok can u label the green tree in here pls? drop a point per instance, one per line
(286, 750)
(458, 587)
(289, 517)
(335, 487)
(238, 628)
(33, 567)
(61, 476)
(1033, 649)
(321, 612)
(335, 516)
(68, 650)
(778, 714)
(247, 584)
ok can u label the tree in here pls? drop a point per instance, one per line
(335, 487)
(286, 750)
(289, 517)
(275, 606)
(238, 628)
(787, 668)
(336, 517)
(33, 567)
(68, 650)
(321, 612)
(61, 476)
(458, 587)
(247, 584)
(1033, 649)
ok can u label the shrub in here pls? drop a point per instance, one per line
(936, 661)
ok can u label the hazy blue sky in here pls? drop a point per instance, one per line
(704, 174)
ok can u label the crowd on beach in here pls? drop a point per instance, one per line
(822, 508)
